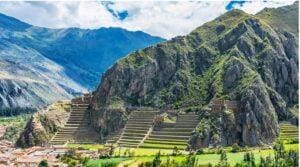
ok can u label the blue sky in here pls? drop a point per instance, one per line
(234, 4)
(161, 18)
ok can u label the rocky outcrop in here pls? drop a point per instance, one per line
(237, 57)
(37, 132)
(108, 121)
(43, 125)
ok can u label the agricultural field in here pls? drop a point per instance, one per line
(132, 157)
(288, 132)
(86, 146)
(103, 162)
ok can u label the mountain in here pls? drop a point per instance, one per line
(250, 59)
(40, 65)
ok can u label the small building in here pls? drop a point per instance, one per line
(218, 105)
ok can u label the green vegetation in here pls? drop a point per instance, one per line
(14, 126)
(37, 131)
(284, 17)
(280, 157)
(72, 160)
(164, 146)
(289, 133)
(10, 112)
(136, 156)
(109, 162)
(43, 163)
(86, 146)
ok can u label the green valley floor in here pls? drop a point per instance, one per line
(135, 156)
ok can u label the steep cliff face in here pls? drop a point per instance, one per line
(242, 57)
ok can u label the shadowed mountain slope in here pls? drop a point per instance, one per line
(40, 65)
(247, 58)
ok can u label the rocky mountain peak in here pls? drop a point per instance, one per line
(237, 56)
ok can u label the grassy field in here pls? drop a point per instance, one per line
(103, 162)
(143, 155)
(86, 146)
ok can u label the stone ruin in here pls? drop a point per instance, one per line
(218, 105)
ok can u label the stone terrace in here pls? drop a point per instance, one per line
(140, 123)
(77, 128)
(173, 134)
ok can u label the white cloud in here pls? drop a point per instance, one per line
(253, 7)
(162, 18)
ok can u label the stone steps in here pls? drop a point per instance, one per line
(129, 145)
(167, 142)
(178, 129)
(172, 134)
(163, 146)
(170, 137)
(77, 128)
(288, 132)
(179, 133)
(136, 128)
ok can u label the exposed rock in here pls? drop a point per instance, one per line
(108, 121)
(43, 125)
(250, 61)
(37, 132)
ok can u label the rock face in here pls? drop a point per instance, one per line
(252, 59)
(39, 66)
(43, 125)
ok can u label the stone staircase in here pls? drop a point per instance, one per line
(140, 124)
(173, 134)
(112, 139)
(288, 131)
(77, 128)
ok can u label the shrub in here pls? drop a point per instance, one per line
(223, 160)
(175, 151)
(43, 163)
(235, 148)
(157, 161)
(200, 151)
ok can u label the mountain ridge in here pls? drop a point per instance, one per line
(237, 56)
(62, 62)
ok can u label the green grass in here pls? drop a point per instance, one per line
(14, 126)
(144, 155)
(204, 159)
(233, 158)
(86, 146)
(103, 162)
(144, 151)
(166, 142)
(162, 146)
(15, 120)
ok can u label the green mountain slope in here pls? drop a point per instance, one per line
(39, 65)
(237, 56)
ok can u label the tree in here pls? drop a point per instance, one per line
(235, 148)
(157, 161)
(223, 160)
(249, 160)
(111, 150)
(43, 163)
(191, 161)
(175, 151)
